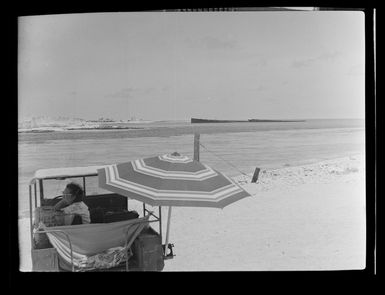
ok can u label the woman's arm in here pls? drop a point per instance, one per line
(61, 204)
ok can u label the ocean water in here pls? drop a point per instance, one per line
(231, 148)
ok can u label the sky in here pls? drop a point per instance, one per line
(178, 65)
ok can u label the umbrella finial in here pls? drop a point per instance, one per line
(175, 154)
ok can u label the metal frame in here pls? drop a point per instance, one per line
(158, 218)
(167, 245)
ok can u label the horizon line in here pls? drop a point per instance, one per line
(188, 119)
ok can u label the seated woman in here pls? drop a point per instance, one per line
(72, 204)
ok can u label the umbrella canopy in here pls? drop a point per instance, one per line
(171, 180)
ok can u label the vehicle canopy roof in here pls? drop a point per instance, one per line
(66, 172)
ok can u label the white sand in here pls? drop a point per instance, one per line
(309, 217)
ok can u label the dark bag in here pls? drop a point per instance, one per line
(147, 251)
(97, 215)
(120, 216)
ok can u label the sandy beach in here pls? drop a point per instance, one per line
(309, 217)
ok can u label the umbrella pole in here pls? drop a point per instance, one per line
(168, 229)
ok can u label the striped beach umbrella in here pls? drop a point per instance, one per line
(171, 180)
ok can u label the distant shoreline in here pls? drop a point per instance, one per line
(77, 129)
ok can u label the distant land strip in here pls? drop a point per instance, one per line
(195, 120)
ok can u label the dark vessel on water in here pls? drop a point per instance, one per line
(259, 120)
(195, 120)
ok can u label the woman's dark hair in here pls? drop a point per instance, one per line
(75, 190)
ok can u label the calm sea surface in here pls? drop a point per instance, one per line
(243, 145)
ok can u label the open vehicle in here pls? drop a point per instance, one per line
(140, 238)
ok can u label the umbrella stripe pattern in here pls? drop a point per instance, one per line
(141, 167)
(171, 180)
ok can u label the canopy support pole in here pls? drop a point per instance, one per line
(168, 230)
(35, 190)
(84, 187)
(30, 216)
(196, 146)
(41, 190)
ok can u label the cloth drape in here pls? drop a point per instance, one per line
(90, 239)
